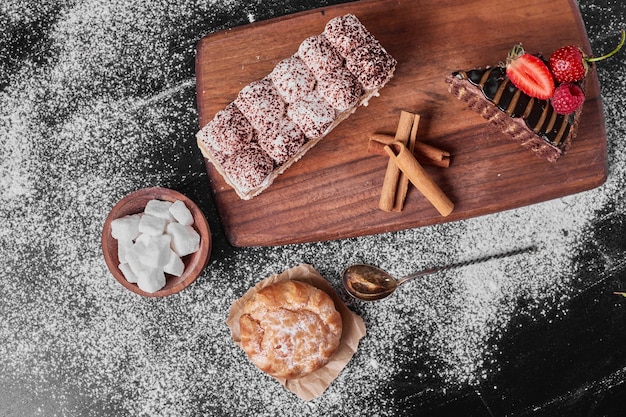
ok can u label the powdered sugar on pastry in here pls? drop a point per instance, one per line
(289, 329)
(249, 167)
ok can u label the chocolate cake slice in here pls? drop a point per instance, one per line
(530, 121)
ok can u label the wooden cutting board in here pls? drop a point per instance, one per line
(333, 191)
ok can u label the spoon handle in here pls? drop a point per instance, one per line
(436, 269)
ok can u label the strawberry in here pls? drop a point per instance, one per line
(567, 98)
(529, 73)
(570, 64)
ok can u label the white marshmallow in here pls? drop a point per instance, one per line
(143, 238)
(159, 208)
(132, 259)
(123, 246)
(175, 265)
(152, 225)
(181, 213)
(155, 253)
(151, 279)
(126, 228)
(128, 273)
(152, 244)
(185, 239)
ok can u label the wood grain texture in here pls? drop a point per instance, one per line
(333, 191)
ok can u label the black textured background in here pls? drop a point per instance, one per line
(97, 100)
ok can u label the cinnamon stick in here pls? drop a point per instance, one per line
(424, 153)
(403, 181)
(391, 182)
(406, 162)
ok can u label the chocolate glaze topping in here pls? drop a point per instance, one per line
(539, 115)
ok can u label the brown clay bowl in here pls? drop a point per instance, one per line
(135, 202)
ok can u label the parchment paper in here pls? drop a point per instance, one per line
(313, 385)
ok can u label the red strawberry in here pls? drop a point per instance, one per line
(570, 64)
(529, 73)
(567, 98)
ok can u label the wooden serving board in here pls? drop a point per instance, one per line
(333, 191)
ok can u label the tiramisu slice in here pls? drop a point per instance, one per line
(274, 121)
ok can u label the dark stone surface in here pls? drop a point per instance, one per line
(97, 100)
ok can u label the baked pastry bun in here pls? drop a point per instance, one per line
(290, 328)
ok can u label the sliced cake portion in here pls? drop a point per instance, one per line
(537, 102)
(528, 120)
(274, 121)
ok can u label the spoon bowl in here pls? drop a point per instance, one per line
(368, 282)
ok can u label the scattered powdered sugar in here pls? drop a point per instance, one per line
(16, 167)
(457, 317)
(101, 104)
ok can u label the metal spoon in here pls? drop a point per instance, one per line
(369, 283)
